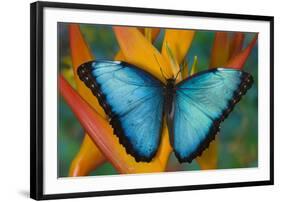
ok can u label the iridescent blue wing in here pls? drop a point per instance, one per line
(201, 103)
(133, 101)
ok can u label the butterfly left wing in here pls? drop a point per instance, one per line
(133, 100)
(201, 103)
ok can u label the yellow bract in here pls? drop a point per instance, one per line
(138, 50)
(209, 158)
(179, 42)
(87, 159)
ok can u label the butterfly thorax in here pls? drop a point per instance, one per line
(169, 95)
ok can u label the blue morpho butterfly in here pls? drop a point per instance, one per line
(136, 102)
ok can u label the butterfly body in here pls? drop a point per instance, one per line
(136, 103)
(170, 91)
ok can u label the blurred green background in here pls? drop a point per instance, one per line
(238, 139)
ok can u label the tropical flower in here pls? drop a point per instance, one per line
(136, 47)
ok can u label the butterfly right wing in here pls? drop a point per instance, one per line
(133, 100)
(201, 103)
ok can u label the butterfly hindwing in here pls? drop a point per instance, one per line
(201, 103)
(132, 99)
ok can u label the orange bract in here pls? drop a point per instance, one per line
(227, 51)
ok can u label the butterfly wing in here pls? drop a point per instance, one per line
(133, 101)
(201, 103)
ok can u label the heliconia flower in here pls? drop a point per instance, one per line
(178, 42)
(149, 33)
(227, 50)
(239, 59)
(138, 50)
(87, 159)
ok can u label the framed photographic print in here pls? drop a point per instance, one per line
(122, 98)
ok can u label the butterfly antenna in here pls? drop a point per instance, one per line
(181, 67)
(160, 67)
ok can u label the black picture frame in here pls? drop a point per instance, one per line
(37, 99)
